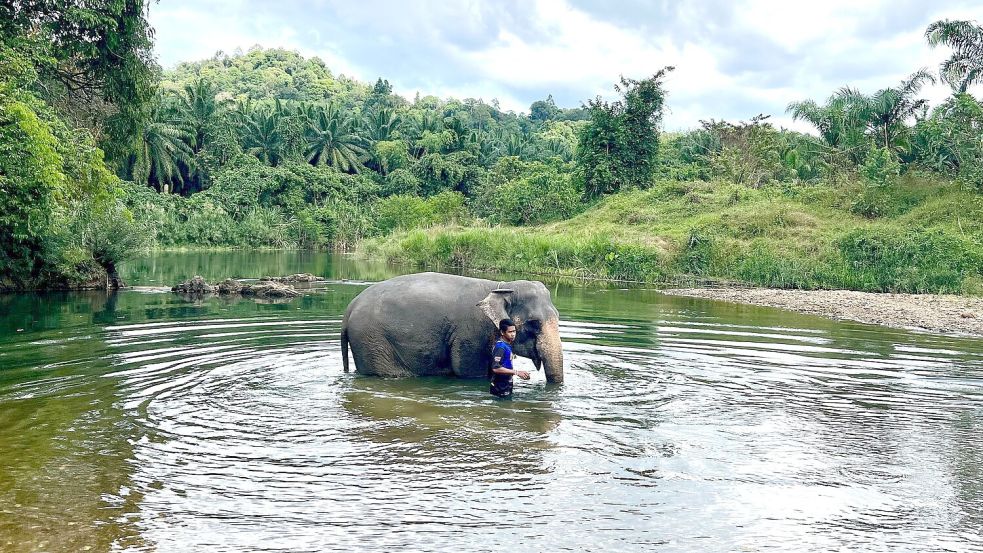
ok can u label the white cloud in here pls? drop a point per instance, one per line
(190, 33)
(732, 62)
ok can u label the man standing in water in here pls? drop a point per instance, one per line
(501, 368)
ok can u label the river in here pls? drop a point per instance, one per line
(139, 421)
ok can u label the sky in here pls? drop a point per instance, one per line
(732, 59)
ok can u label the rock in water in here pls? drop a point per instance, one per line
(196, 285)
(266, 289)
(298, 277)
(229, 286)
(269, 289)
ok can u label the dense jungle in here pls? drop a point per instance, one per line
(104, 155)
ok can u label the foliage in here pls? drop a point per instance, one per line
(58, 211)
(407, 212)
(951, 140)
(885, 111)
(31, 181)
(888, 259)
(94, 61)
(791, 236)
(618, 147)
(965, 66)
(542, 194)
(880, 168)
(749, 152)
(269, 149)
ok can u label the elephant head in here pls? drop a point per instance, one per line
(528, 304)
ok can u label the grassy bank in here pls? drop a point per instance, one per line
(921, 235)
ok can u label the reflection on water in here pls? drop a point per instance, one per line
(139, 421)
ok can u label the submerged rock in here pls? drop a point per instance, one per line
(269, 289)
(195, 285)
(229, 286)
(294, 278)
(197, 288)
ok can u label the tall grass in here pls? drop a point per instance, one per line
(927, 240)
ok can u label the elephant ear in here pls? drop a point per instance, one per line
(495, 305)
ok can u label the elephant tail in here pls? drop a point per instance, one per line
(344, 347)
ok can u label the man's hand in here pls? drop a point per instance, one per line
(522, 374)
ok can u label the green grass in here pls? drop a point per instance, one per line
(927, 239)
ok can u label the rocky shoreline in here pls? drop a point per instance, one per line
(941, 314)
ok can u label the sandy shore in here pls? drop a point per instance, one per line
(942, 314)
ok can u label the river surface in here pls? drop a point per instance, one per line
(143, 422)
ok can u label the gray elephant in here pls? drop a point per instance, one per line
(438, 324)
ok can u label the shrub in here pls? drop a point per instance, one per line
(546, 195)
(881, 167)
(895, 260)
(401, 182)
(401, 212)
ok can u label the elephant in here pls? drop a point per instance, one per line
(430, 324)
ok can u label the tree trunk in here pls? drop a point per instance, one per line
(113, 280)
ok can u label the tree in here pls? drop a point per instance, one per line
(162, 145)
(382, 124)
(885, 112)
(544, 110)
(829, 119)
(198, 109)
(331, 140)
(950, 140)
(264, 135)
(94, 59)
(617, 148)
(964, 67)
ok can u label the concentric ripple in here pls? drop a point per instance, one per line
(155, 424)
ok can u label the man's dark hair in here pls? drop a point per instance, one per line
(504, 325)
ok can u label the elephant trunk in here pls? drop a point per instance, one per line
(550, 351)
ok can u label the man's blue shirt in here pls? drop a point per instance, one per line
(501, 384)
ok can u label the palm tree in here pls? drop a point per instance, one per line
(515, 145)
(427, 121)
(555, 147)
(160, 149)
(332, 140)
(885, 111)
(965, 66)
(479, 143)
(199, 108)
(381, 124)
(829, 119)
(460, 130)
(264, 135)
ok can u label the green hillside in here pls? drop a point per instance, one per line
(785, 236)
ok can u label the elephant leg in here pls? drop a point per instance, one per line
(377, 357)
(469, 358)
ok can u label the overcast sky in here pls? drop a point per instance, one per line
(733, 59)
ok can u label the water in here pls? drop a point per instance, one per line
(142, 422)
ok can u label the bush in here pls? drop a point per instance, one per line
(886, 259)
(881, 167)
(546, 195)
(401, 212)
(315, 227)
(408, 212)
(401, 182)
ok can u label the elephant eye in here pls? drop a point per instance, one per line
(534, 325)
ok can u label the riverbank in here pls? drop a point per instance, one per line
(944, 314)
(792, 237)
